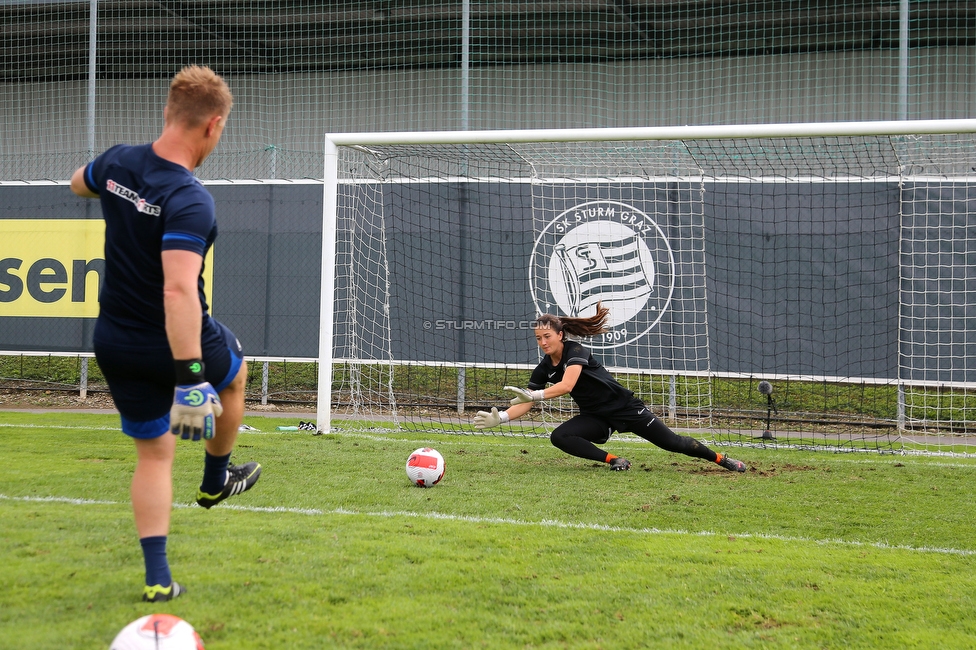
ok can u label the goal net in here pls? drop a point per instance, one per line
(797, 284)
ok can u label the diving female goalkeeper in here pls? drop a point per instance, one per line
(604, 405)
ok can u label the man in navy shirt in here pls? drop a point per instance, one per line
(170, 367)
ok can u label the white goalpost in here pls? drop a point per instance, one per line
(808, 284)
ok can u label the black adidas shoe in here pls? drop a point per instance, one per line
(731, 464)
(240, 478)
(619, 464)
(160, 594)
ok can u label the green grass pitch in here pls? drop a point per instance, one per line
(520, 546)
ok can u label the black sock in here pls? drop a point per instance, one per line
(157, 566)
(214, 473)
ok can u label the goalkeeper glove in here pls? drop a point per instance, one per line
(522, 396)
(485, 420)
(195, 403)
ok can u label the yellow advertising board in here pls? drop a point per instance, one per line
(54, 267)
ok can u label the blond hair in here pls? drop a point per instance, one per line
(196, 94)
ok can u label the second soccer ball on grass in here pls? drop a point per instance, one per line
(158, 632)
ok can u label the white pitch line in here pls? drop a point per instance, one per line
(71, 427)
(462, 440)
(515, 442)
(502, 521)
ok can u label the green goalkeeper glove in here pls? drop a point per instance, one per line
(486, 420)
(522, 396)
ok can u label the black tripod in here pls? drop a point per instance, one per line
(767, 389)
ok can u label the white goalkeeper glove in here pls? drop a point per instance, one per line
(522, 396)
(486, 420)
(195, 403)
(193, 411)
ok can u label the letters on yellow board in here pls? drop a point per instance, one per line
(54, 267)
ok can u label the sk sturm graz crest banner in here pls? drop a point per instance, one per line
(609, 252)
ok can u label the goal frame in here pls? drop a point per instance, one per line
(333, 141)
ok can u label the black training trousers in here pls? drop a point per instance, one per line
(579, 435)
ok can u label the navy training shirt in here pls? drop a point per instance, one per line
(596, 391)
(149, 205)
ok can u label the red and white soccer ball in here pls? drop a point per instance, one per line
(158, 632)
(425, 467)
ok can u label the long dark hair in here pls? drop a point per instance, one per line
(590, 326)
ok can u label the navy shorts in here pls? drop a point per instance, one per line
(142, 378)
